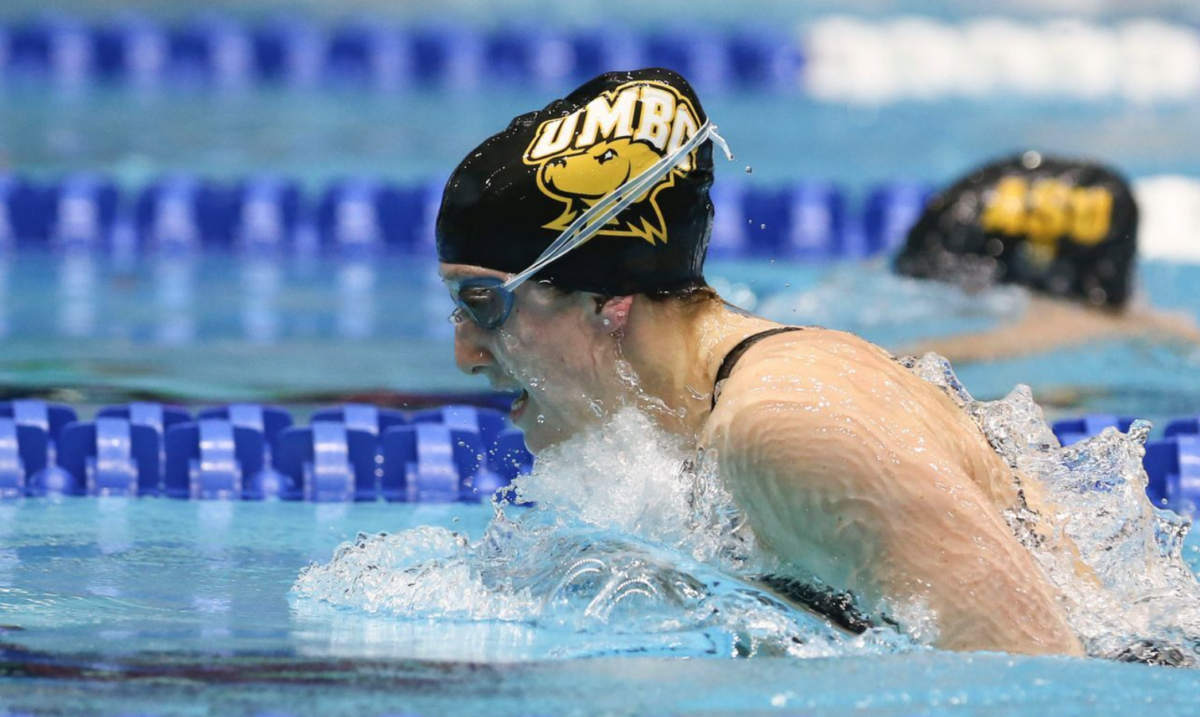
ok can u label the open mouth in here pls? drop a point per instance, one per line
(518, 405)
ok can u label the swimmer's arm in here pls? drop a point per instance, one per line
(827, 496)
(1050, 324)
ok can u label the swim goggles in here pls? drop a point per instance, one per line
(488, 301)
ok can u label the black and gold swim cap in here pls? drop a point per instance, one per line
(516, 193)
(1059, 226)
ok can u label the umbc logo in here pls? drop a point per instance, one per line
(586, 155)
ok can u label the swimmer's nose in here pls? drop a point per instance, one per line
(470, 354)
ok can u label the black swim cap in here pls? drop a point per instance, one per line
(515, 193)
(1063, 227)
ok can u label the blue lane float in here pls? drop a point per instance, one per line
(891, 210)
(267, 420)
(358, 452)
(328, 462)
(215, 459)
(367, 52)
(112, 457)
(1173, 466)
(37, 427)
(354, 452)
(807, 220)
(1073, 430)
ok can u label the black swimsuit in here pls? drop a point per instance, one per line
(732, 357)
(837, 607)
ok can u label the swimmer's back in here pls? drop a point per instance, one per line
(853, 468)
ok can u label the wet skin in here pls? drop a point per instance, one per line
(847, 464)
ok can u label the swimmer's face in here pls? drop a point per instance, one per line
(554, 348)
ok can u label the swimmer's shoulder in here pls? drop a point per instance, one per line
(789, 385)
(788, 364)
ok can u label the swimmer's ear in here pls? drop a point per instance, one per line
(613, 312)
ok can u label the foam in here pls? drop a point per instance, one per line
(1117, 559)
(637, 545)
(628, 540)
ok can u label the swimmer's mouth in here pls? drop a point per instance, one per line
(518, 405)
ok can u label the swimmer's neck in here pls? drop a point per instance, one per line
(676, 352)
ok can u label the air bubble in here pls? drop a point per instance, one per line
(749, 169)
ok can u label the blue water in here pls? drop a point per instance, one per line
(317, 136)
(220, 328)
(182, 608)
(159, 606)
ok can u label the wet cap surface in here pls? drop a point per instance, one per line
(514, 194)
(1063, 227)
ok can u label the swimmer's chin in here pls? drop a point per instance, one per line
(539, 437)
(536, 438)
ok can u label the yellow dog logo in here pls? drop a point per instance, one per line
(585, 156)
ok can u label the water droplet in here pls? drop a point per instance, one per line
(762, 226)
(749, 169)
(541, 418)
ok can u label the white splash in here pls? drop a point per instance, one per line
(633, 546)
(1116, 558)
(627, 538)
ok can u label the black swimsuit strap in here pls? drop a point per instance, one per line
(732, 357)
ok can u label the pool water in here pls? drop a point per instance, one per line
(158, 607)
(161, 607)
(218, 327)
(317, 136)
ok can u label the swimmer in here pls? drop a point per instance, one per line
(1066, 229)
(573, 245)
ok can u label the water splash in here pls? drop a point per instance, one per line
(635, 543)
(1116, 558)
(889, 309)
(628, 538)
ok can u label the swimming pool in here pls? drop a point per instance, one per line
(169, 607)
(160, 607)
(220, 327)
(154, 606)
